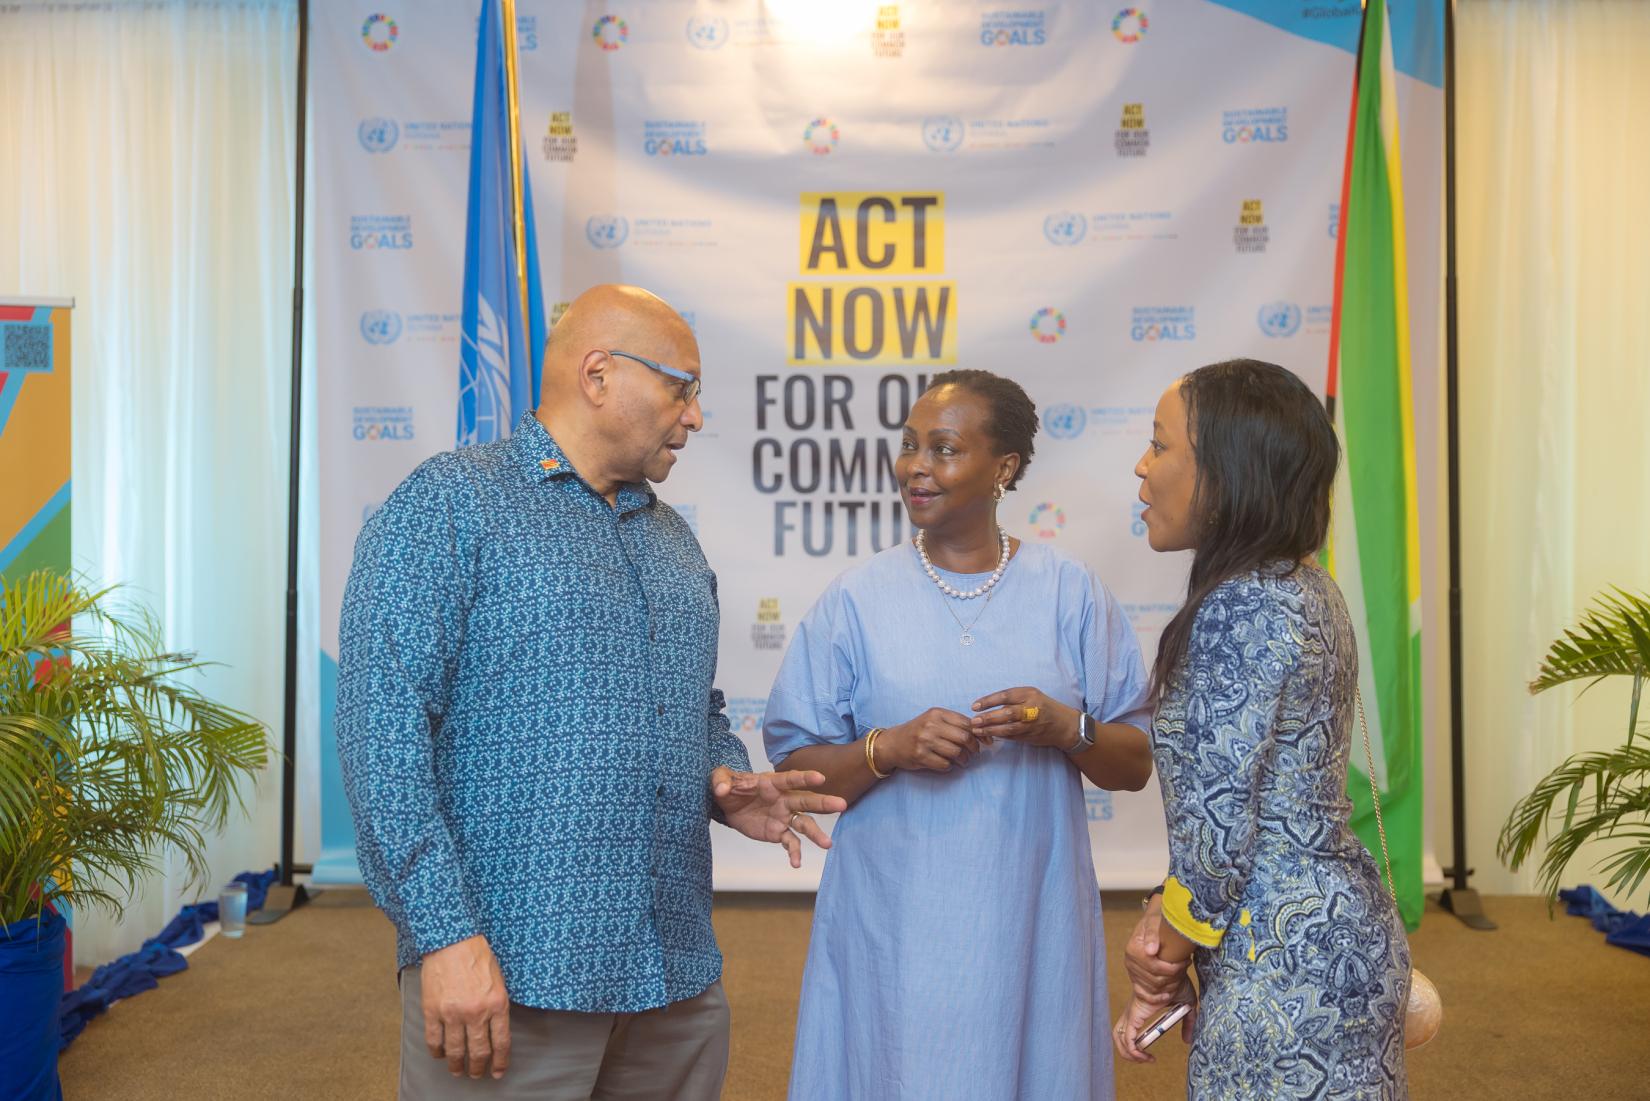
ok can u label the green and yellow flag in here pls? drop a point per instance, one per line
(1374, 543)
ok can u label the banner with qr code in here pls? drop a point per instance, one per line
(843, 200)
(34, 436)
(35, 395)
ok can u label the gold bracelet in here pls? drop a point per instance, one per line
(871, 754)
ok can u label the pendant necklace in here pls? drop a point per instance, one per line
(967, 637)
(987, 590)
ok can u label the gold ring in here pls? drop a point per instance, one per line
(1029, 714)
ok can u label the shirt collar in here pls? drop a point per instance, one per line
(543, 458)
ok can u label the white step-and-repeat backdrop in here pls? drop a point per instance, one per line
(844, 199)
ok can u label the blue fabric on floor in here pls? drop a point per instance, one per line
(1624, 929)
(190, 924)
(138, 971)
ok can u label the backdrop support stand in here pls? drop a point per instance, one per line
(287, 896)
(1458, 898)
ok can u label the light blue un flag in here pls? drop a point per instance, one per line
(498, 369)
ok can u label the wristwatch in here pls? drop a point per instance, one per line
(1085, 735)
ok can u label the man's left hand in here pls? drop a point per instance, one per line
(774, 806)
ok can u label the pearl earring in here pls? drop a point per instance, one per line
(997, 494)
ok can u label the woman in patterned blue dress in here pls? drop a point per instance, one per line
(1299, 949)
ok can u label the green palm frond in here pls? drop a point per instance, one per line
(1629, 867)
(1592, 796)
(1612, 639)
(31, 746)
(110, 759)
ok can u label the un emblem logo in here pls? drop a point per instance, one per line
(379, 135)
(708, 34)
(380, 326)
(607, 230)
(1065, 228)
(1065, 422)
(1280, 319)
(942, 133)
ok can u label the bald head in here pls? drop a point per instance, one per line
(619, 419)
(606, 317)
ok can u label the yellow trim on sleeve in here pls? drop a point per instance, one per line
(1177, 910)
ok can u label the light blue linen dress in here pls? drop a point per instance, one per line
(957, 949)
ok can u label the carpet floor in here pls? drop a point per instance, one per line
(307, 1008)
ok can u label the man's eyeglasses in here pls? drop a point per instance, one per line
(689, 388)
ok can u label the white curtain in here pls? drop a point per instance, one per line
(146, 170)
(146, 159)
(1554, 261)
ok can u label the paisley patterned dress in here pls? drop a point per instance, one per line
(1301, 954)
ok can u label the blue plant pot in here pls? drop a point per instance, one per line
(31, 986)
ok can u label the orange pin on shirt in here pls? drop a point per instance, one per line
(550, 464)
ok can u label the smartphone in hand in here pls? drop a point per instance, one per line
(1171, 1017)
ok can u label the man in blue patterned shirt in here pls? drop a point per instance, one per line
(531, 743)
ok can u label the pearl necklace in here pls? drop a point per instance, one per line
(946, 587)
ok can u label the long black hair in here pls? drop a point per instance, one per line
(1266, 455)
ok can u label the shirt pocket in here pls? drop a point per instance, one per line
(684, 622)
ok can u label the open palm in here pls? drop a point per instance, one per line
(775, 806)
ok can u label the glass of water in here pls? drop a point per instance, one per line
(232, 910)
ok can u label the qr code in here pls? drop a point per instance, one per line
(25, 347)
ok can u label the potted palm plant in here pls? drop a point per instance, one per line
(110, 761)
(1593, 796)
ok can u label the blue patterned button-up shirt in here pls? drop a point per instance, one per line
(527, 726)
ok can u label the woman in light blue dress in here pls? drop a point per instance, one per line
(1299, 948)
(956, 690)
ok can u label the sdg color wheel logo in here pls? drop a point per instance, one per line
(1129, 25)
(1048, 325)
(610, 32)
(1280, 319)
(942, 133)
(607, 230)
(1047, 520)
(379, 32)
(378, 135)
(821, 136)
(1065, 228)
